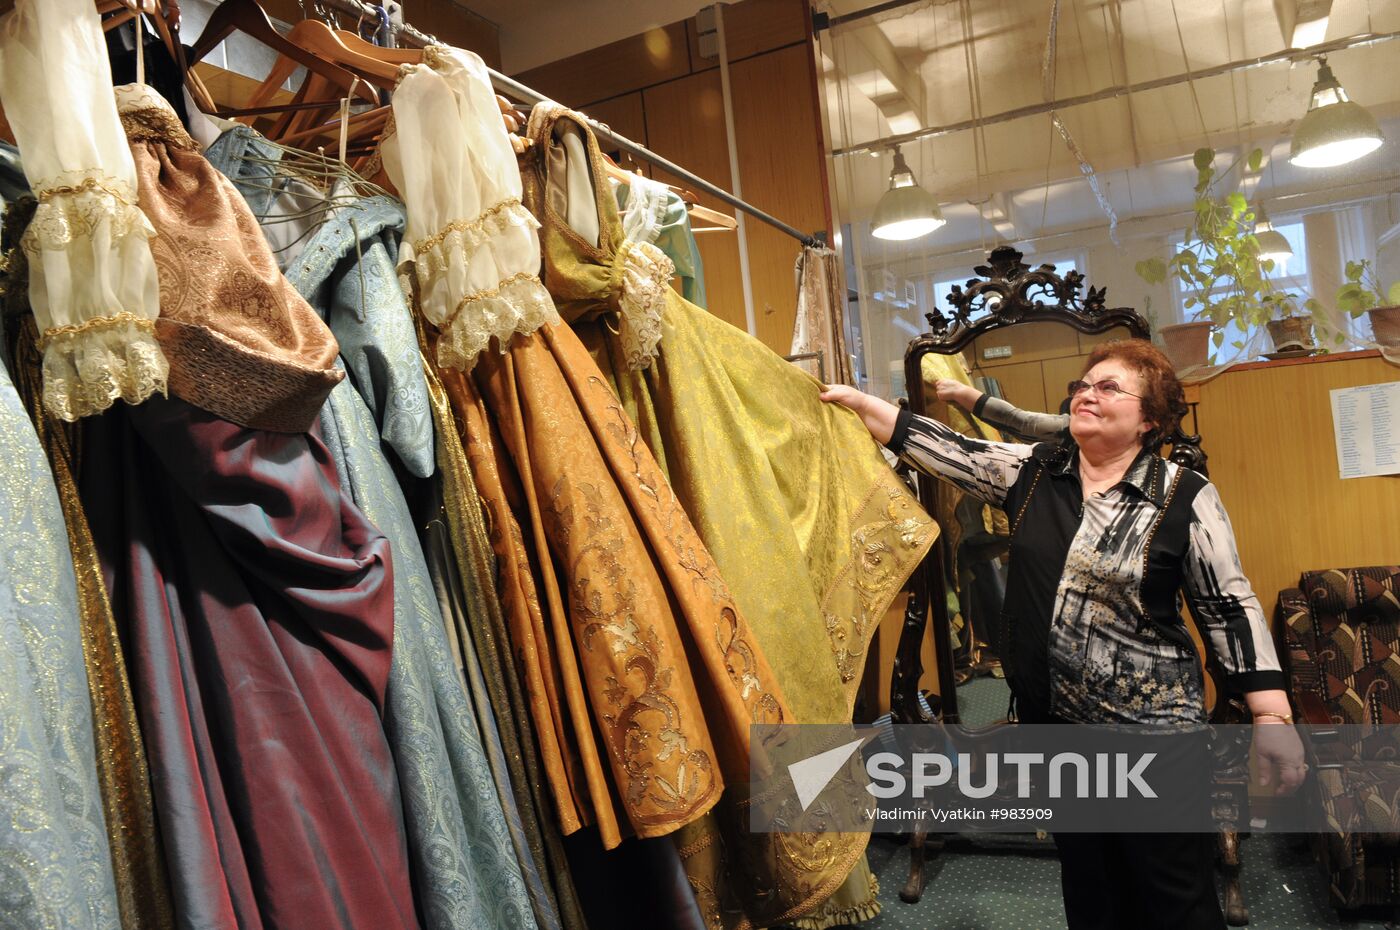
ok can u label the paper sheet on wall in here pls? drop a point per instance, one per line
(1366, 421)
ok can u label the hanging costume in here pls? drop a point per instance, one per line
(812, 531)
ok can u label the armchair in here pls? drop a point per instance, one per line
(1341, 635)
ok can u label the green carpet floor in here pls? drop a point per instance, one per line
(1013, 883)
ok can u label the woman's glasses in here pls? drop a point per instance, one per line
(1106, 389)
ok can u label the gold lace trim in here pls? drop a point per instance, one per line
(488, 293)
(156, 124)
(642, 276)
(465, 226)
(892, 535)
(99, 322)
(117, 189)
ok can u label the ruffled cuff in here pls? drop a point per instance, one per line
(71, 213)
(454, 244)
(641, 276)
(519, 304)
(468, 322)
(87, 367)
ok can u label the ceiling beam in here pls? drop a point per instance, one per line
(873, 66)
(1303, 23)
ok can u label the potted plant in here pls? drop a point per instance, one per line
(1362, 293)
(1219, 265)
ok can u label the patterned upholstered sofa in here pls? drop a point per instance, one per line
(1341, 632)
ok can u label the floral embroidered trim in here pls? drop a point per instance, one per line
(100, 322)
(519, 304)
(466, 226)
(156, 124)
(641, 274)
(69, 212)
(89, 366)
(892, 535)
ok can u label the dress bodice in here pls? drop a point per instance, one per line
(590, 267)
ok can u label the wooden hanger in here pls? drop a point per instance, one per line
(248, 17)
(397, 56)
(719, 221)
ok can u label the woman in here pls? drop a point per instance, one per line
(1104, 533)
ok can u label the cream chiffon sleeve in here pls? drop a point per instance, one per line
(469, 242)
(92, 282)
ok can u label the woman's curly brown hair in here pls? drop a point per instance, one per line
(1163, 401)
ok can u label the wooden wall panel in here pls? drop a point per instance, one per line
(1029, 342)
(658, 55)
(754, 27)
(780, 159)
(1057, 373)
(1022, 384)
(685, 123)
(624, 114)
(1268, 431)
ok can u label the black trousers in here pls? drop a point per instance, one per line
(1147, 881)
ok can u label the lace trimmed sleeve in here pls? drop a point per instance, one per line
(92, 281)
(470, 244)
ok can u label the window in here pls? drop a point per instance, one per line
(1290, 276)
(941, 284)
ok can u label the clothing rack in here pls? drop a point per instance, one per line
(513, 88)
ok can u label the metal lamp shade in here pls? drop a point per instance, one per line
(906, 212)
(1335, 130)
(1273, 244)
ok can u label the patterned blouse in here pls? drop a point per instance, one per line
(1092, 618)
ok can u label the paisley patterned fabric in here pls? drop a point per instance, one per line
(362, 303)
(143, 894)
(55, 865)
(812, 531)
(242, 344)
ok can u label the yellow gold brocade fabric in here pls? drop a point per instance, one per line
(642, 677)
(811, 529)
(994, 522)
(138, 866)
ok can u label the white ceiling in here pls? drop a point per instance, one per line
(1021, 174)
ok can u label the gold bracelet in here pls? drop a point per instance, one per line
(1286, 718)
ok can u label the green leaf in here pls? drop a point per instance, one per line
(1241, 325)
(1190, 302)
(1256, 159)
(1237, 344)
(1392, 296)
(1218, 337)
(1203, 158)
(1151, 270)
(1238, 204)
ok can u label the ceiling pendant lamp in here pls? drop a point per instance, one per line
(1335, 129)
(1273, 245)
(906, 210)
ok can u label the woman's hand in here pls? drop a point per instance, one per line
(955, 392)
(1280, 755)
(878, 415)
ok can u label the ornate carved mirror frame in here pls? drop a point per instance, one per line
(1007, 292)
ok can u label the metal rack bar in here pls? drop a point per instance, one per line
(513, 88)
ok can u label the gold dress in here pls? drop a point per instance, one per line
(812, 531)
